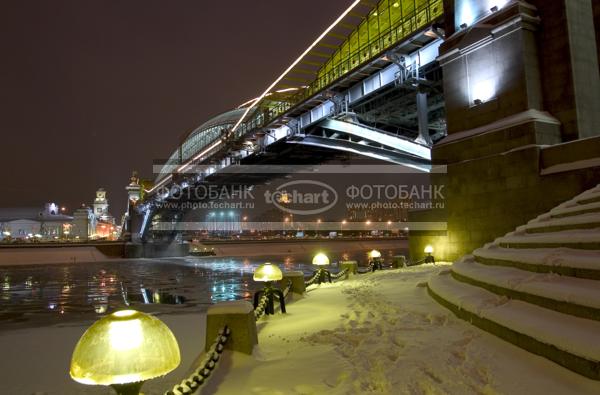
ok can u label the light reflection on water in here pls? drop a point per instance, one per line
(75, 290)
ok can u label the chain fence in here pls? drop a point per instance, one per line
(191, 384)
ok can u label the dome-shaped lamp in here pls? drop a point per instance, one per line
(429, 251)
(320, 260)
(123, 350)
(375, 260)
(374, 254)
(267, 272)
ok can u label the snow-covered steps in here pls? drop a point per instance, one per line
(574, 296)
(578, 209)
(569, 341)
(591, 199)
(583, 221)
(537, 287)
(563, 261)
(586, 239)
(589, 196)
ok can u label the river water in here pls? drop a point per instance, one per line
(61, 293)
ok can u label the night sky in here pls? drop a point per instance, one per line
(91, 90)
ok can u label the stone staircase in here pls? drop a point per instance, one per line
(537, 287)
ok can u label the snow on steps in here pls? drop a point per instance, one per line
(563, 261)
(569, 341)
(537, 287)
(574, 210)
(553, 224)
(575, 296)
(586, 239)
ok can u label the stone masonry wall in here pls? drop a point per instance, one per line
(490, 196)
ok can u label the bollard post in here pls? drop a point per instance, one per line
(352, 266)
(238, 315)
(297, 279)
(399, 261)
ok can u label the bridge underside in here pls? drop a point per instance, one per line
(278, 156)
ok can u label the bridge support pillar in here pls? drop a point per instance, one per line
(423, 116)
(498, 115)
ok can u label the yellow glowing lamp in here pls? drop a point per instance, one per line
(267, 272)
(122, 348)
(374, 254)
(320, 260)
(428, 249)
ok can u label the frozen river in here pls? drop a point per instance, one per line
(60, 293)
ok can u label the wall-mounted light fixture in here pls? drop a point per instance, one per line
(483, 91)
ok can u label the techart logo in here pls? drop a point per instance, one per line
(303, 197)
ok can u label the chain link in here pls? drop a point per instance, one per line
(339, 274)
(312, 280)
(208, 365)
(260, 308)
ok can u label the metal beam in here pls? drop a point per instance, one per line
(304, 71)
(381, 137)
(326, 45)
(320, 54)
(308, 62)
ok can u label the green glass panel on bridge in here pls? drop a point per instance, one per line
(388, 24)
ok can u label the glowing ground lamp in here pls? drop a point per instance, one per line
(375, 261)
(267, 273)
(123, 350)
(429, 251)
(321, 260)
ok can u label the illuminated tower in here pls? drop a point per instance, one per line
(100, 203)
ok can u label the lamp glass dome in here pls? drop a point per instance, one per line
(124, 347)
(320, 260)
(268, 272)
(375, 254)
(428, 249)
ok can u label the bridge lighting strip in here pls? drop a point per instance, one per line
(189, 163)
(159, 184)
(338, 20)
(270, 93)
(267, 91)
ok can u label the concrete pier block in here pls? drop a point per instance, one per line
(398, 261)
(352, 266)
(239, 317)
(297, 278)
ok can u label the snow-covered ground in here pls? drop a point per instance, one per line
(376, 333)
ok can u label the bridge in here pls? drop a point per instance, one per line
(369, 86)
(411, 84)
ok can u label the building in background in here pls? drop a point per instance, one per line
(33, 223)
(95, 222)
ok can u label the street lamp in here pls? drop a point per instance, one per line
(375, 260)
(267, 273)
(429, 251)
(123, 350)
(320, 260)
